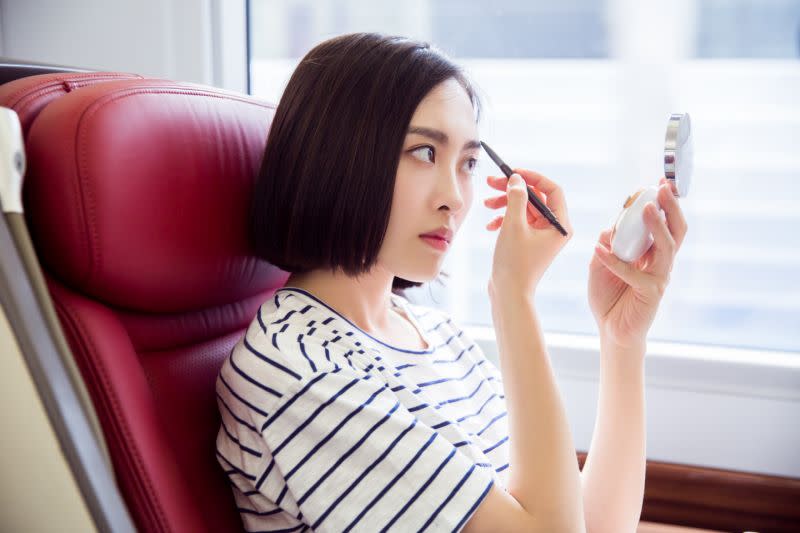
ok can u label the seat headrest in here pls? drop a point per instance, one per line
(29, 95)
(137, 193)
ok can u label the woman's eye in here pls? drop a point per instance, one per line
(470, 165)
(425, 153)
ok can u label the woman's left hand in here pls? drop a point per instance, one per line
(624, 296)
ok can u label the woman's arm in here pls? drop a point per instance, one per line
(614, 472)
(544, 475)
(624, 298)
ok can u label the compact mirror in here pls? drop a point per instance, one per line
(630, 237)
(679, 153)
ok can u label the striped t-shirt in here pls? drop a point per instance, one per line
(326, 428)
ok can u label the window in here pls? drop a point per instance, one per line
(581, 91)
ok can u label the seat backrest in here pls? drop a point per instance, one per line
(27, 94)
(137, 194)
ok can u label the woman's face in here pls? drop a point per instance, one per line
(433, 186)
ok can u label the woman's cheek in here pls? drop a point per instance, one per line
(468, 192)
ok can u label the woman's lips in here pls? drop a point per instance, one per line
(436, 242)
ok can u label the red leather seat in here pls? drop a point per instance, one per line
(28, 96)
(137, 194)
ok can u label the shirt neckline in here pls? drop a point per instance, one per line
(397, 301)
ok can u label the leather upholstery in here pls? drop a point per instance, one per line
(29, 95)
(137, 195)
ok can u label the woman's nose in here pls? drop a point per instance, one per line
(453, 194)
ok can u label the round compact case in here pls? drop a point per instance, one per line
(630, 238)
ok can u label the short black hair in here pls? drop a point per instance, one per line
(324, 190)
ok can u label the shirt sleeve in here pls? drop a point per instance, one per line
(353, 458)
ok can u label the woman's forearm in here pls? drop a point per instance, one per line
(614, 472)
(544, 476)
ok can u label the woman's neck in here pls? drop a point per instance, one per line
(365, 301)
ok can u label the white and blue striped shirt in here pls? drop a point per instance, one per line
(327, 428)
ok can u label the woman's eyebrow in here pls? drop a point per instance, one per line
(440, 136)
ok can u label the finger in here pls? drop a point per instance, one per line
(555, 195)
(671, 184)
(533, 215)
(517, 200)
(500, 183)
(497, 182)
(664, 244)
(540, 181)
(495, 223)
(605, 238)
(497, 202)
(624, 271)
(676, 222)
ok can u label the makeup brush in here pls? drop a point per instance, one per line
(537, 203)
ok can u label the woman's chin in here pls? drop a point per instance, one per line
(421, 277)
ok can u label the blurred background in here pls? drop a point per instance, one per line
(581, 91)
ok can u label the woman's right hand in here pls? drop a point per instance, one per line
(527, 242)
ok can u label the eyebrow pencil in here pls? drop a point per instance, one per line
(537, 203)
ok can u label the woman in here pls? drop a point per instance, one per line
(345, 406)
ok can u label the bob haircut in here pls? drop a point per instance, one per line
(324, 190)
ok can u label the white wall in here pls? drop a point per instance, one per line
(33, 465)
(173, 39)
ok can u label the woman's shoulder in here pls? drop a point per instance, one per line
(288, 340)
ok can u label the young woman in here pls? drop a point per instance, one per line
(344, 406)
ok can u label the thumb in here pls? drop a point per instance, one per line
(517, 199)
